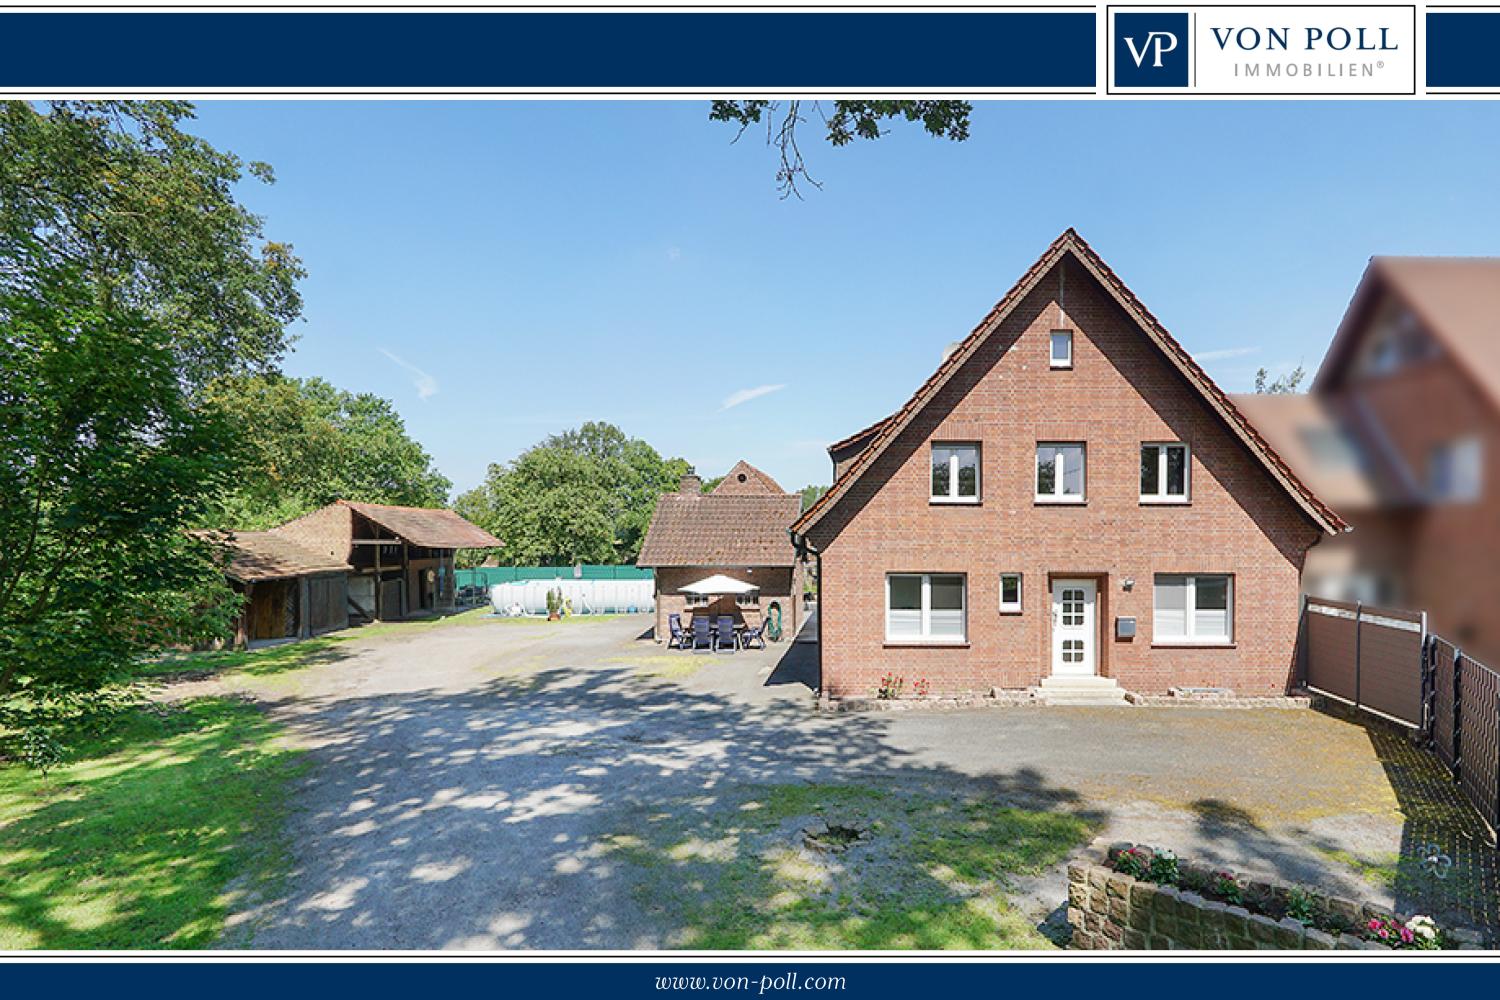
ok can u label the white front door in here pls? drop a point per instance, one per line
(1073, 633)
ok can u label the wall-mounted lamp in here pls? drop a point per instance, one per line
(1128, 583)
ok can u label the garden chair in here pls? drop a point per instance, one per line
(724, 634)
(679, 636)
(753, 634)
(702, 633)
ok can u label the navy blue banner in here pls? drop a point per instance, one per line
(1463, 49)
(757, 979)
(707, 51)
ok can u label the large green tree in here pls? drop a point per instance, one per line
(130, 277)
(585, 495)
(308, 443)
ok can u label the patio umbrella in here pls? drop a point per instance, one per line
(719, 584)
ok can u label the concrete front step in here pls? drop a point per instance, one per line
(1081, 691)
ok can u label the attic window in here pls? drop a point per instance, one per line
(741, 477)
(1062, 349)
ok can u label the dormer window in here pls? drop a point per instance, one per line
(955, 473)
(1062, 349)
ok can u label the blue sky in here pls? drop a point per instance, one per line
(505, 270)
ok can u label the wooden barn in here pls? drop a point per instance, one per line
(400, 559)
(291, 592)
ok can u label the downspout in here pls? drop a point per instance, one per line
(803, 548)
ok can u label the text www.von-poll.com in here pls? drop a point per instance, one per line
(761, 985)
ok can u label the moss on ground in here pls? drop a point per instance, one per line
(839, 867)
(135, 840)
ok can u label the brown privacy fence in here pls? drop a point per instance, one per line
(1383, 660)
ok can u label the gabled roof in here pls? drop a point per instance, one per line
(715, 529)
(1456, 300)
(432, 528)
(1071, 243)
(860, 436)
(745, 478)
(264, 555)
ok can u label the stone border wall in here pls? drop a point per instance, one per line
(1013, 697)
(1110, 911)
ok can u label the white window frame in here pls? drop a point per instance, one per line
(750, 600)
(927, 638)
(1052, 359)
(1190, 612)
(697, 601)
(1161, 473)
(1011, 607)
(953, 466)
(1465, 483)
(1057, 473)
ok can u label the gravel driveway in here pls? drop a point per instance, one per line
(467, 777)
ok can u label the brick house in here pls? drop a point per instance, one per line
(1402, 415)
(738, 530)
(1067, 473)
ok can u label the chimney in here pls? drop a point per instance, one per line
(691, 483)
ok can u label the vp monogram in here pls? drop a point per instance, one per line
(1157, 44)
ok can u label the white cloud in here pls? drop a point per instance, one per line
(674, 253)
(425, 384)
(1228, 352)
(745, 395)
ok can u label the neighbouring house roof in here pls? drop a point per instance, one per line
(264, 555)
(1071, 243)
(861, 436)
(1323, 448)
(745, 478)
(715, 529)
(432, 528)
(1456, 300)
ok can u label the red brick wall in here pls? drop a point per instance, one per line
(1119, 393)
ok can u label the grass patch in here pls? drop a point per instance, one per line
(662, 665)
(134, 840)
(839, 867)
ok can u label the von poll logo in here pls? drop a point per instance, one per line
(1151, 50)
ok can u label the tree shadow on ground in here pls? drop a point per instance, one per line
(494, 818)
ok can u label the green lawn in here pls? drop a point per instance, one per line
(929, 871)
(147, 835)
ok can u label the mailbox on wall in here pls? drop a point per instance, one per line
(1125, 627)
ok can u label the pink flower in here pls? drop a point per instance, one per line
(1406, 935)
(1383, 932)
(1374, 925)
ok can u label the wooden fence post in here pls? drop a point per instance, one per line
(1358, 612)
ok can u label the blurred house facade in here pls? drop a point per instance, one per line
(1402, 420)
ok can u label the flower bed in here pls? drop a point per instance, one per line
(1146, 898)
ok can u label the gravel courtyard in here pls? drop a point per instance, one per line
(471, 781)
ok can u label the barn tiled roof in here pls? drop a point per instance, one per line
(433, 528)
(745, 478)
(1071, 242)
(716, 529)
(264, 555)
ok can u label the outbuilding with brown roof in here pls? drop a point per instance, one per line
(739, 532)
